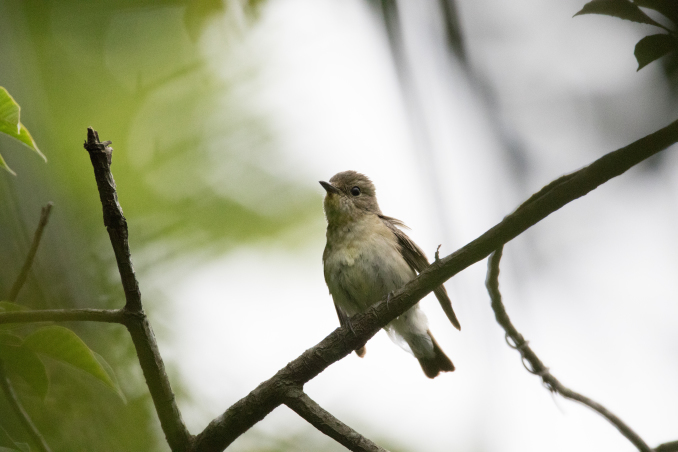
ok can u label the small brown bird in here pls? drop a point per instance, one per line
(367, 258)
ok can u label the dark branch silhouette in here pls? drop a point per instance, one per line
(143, 338)
(536, 366)
(317, 416)
(23, 274)
(66, 315)
(667, 447)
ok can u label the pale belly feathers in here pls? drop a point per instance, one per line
(364, 265)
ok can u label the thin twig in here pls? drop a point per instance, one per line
(25, 419)
(101, 156)
(178, 437)
(6, 384)
(318, 417)
(66, 315)
(252, 408)
(536, 366)
(21, 279)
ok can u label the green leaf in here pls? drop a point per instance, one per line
(3, 165)
(10, 339)
(668, 8)
(654, 47)
(618, 8)
(19, 447)
(64, 345)
(7, 443)
(23, 362)
(10, 124)
(8, 306)
(111, 373)
(10, 112)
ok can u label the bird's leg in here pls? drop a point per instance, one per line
(350, 325)
(388, 300)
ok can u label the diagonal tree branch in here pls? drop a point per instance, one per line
(318, 417)
(21, 279)
(536, 366)
(143, 338)
(667, 447)
(252, 408)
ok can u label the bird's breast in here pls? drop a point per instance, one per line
(363, 264)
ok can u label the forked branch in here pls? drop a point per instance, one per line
(317, 416)
(143, 338)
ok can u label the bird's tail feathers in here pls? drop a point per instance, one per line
(439, 362)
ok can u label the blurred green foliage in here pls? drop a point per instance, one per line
(193, 166)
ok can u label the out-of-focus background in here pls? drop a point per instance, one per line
(224, 115)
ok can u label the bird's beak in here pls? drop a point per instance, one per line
(329, 188)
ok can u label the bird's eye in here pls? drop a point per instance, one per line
(355, 191)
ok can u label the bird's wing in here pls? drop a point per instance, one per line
(416, 259)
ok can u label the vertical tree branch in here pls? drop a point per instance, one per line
(21, 279)
(101, 156)
(318, 417)
(177, 435)
(536, 366)
(19, 410)
(455, 38)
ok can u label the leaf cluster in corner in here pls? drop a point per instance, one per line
(23, 356)
(10, 124)
(652, 47)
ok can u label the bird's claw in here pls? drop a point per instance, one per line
(350, 325)
(388, 300)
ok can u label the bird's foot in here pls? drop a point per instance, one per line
(388, 300)
(350, 325)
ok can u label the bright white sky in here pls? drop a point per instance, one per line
(593, 287)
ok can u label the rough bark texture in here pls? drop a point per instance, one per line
(318, 417)
(143, 338)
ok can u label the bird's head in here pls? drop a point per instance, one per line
(350, 195)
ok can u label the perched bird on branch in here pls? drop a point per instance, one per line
(367, 257)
